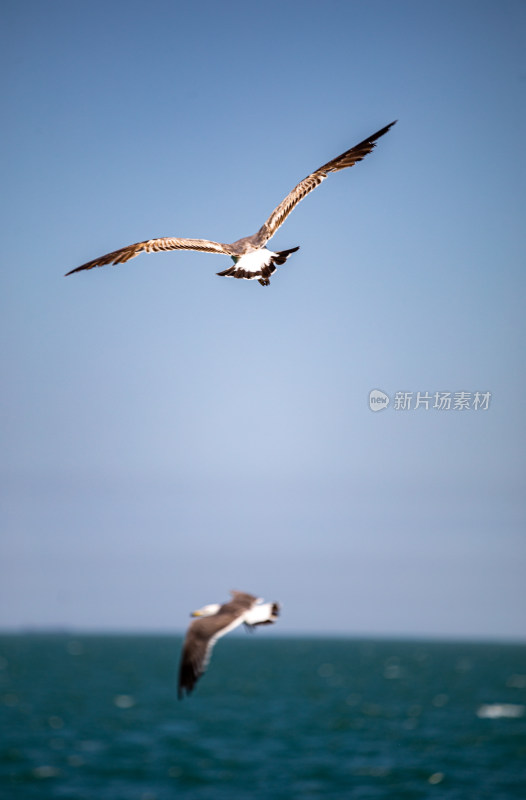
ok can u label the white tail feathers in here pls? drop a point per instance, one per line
(262, 614)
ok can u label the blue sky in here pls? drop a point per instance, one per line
(168, 435)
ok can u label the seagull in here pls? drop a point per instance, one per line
(214, 621)
(252, 260)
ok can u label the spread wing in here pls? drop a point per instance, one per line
(154, 246)
(347, 159)
(197, 650)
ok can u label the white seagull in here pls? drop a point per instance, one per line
(252, 260)
(214, 621)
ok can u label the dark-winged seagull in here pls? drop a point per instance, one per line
(214, 621)
(252, 260)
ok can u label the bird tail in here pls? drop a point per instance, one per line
(263, 614)
(278, 259)
(260, 272)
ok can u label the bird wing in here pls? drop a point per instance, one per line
(347, 159)
(197, 649)
(154, 246)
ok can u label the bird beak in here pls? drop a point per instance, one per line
(196, 614)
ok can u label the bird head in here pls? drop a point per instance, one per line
(206, 611)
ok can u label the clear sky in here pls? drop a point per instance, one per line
(168, 435)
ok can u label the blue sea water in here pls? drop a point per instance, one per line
(87, 717)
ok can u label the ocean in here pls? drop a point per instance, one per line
(88, 716)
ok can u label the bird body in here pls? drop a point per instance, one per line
(252, 260)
